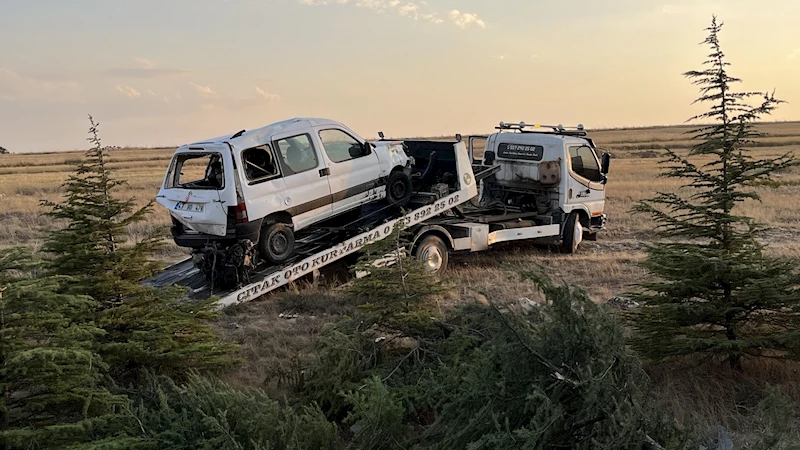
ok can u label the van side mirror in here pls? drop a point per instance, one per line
(606, 163)
(366, 149)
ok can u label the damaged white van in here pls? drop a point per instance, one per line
(261, 186)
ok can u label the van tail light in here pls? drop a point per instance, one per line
(241, 213)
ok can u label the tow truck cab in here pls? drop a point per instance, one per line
(552, 171)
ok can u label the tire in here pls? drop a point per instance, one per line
(573, 234)
(398, 188)
(276, 243)
(433, 253)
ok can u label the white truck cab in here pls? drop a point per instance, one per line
(549, 171)
(265, 184)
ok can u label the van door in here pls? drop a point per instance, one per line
(263, 187)
(196, 187)
(354, 174)
(307, 197)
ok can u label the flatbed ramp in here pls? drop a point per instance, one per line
(316, 252)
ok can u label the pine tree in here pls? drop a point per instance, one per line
(398, 290)
(92, 247)
(50, 374)
(144, 328)
(717, 293)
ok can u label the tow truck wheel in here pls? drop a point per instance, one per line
(432, 251)
(573, 234)
(398, 188)
(276, 243)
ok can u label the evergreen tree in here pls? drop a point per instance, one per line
(92, 247)
(50, 373)
(145, 328)
(398, 290)
(717, 293)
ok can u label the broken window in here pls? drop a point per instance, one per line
(197, 171)
(259, 164)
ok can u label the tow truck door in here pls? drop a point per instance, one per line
(585, 185)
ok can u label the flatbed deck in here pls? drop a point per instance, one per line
(324, 245)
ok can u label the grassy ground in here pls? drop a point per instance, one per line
(606, 268)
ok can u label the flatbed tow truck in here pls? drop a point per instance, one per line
(530, 184)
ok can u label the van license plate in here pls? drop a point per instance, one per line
(189, 207)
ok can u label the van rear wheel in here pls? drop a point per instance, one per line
(276, 243)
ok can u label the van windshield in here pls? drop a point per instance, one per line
(196, 171)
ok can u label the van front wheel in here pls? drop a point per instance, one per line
(276, 243)
(398, 188)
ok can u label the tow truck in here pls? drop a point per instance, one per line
(541, 183)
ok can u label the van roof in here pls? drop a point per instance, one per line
(261, 135)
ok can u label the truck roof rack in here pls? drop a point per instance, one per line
(538, 128)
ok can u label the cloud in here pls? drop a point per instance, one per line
(16, 86)
(144, 63)
(794, 55)
(205, 90)
(463, 20)
(144, 73)
(418, 11)
(128, 91)
(267, 96)
(144, 68)
(672, 9)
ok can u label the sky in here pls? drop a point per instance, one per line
(168, 72)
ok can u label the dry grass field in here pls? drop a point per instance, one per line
(605, 268)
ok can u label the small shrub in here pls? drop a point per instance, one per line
(377, 417)
(209, 414)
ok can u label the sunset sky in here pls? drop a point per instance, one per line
(166, 72)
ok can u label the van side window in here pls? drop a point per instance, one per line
(297, 154)
(584, 163)
(259, 165)
(340, 146)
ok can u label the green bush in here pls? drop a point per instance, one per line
(207, 414)
(377, 417)
(486, 378)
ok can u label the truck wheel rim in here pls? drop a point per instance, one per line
(279, 243)
(578, 236)
(398, 189)
(432, 258)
